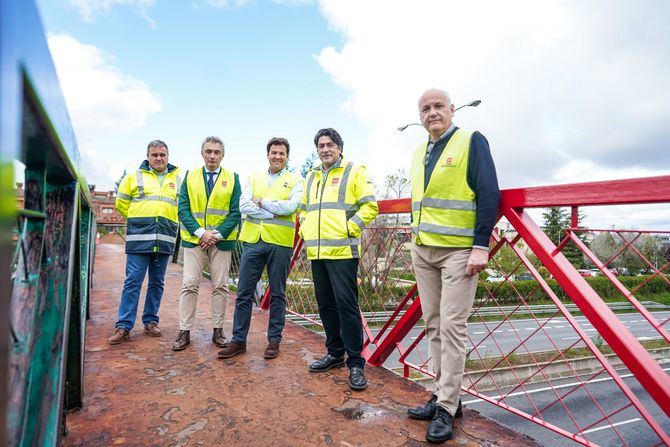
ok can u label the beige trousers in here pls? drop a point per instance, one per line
(447, 293)
(194, 263)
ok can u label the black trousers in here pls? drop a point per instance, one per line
(337, 296)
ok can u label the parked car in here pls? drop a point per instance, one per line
(524, 277)
(495, 278)
(586, 273)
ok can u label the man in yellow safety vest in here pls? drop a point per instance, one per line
(455, 201)
(147, 198)
(337, 204)
(209, 213)
(269, 202)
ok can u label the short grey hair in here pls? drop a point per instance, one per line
(215, 140)
(157, 143)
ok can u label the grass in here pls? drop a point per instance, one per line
(515, 359)
(521, 313)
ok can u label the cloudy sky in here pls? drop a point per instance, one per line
(571, 91)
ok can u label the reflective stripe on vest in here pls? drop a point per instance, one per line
(324, 227)
(279, 230)
(152, 220)
(209, 212)
(444, 214)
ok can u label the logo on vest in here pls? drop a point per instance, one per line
(335, 181)
(172, 186)
(224, 183)
(285, 184)
(450, 162)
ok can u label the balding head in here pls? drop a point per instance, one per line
(436, 112)
(435, 92)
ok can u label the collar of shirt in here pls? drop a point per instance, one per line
(158, 173)
(277, 174)
(333, 166)
(214, 172)
(431, 143)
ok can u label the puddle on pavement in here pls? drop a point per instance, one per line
(357, 410)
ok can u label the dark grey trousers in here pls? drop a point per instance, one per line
(255, 257)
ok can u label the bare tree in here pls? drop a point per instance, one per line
(118, 182)
(308, 164)
(396, 185)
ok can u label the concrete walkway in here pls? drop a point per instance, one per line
(141, 393)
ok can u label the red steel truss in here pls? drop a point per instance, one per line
(393, 327)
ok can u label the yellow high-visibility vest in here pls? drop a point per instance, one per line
(279, 230)
(444, 214)
(209, 212)
(337, 205)
(150, 209)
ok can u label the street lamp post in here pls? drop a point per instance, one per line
(474, 103)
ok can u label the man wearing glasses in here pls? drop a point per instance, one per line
(455, 201)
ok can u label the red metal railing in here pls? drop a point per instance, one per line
(515, 340)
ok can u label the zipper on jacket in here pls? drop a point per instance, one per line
(156, 219)
(318, 226)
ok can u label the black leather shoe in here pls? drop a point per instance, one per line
(326, 363)
(441, 428)
(427, 412)
(357, 380)
(219, 338)
(182, 341)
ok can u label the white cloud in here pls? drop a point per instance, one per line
(103, 102)
(293, 2)
(227, 3)
(571, 91)
(90, 9)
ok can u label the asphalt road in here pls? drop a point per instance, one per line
(506, 336)
(557, 332)
(629, 424)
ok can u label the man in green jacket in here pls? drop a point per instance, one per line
(209, 213)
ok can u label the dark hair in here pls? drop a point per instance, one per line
(330, 133)
(157, 143)
(278, 141)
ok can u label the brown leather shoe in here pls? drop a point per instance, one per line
(119, 336)
(231, 350)
(152, 329)
(219, 338)
(182, 341)
(272, 350)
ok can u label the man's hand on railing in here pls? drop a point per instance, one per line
(477, 261)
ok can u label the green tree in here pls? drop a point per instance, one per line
(506, 260)
(652, 249)
(556, 220)
(604, 245)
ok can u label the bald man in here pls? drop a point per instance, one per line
(455, 200)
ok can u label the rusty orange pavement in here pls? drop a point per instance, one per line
(141, 393)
